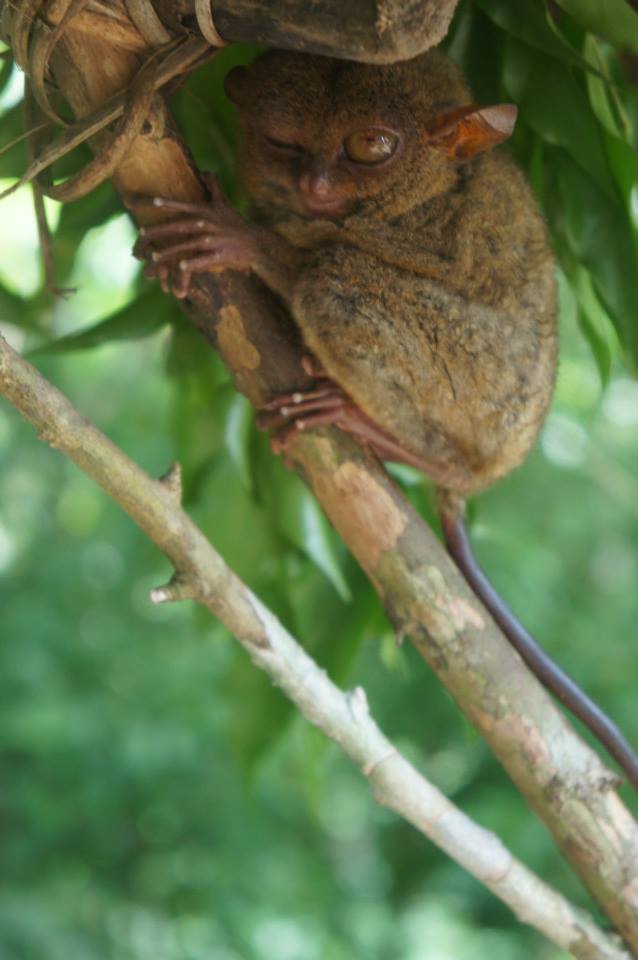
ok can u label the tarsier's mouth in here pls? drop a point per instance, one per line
(326, 208)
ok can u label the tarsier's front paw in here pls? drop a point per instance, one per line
(209, 237)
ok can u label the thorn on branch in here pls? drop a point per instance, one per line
(358, 703)
(172, 482)
(179, 587)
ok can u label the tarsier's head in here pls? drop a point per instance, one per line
(323, 138)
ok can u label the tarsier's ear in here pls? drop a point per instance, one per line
(235, 83)
(464, 132)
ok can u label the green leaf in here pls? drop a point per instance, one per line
(334, 630)
(599, 235)
(6, 69)
(238, 434)
(211, 421)
(603, 94)
(140, 318)
(14, 160)
(202, 397)
(93, 210)
(301, 520)
(476, 45)
(12, 307)
(76, 219)
(244, 533)
(556, 107)
(596, 324)
(297, 516)
(188, 353)
(206, 116)
(526, 21)
(261, 715)
(623, 165)
(613, 20)
(578, 302)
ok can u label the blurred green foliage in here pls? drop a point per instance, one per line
(159, 799)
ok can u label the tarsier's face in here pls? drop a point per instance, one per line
(327, 180)
(323, 138)
(304, 149)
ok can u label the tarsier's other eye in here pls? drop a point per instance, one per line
(370, 146)
(283, 146)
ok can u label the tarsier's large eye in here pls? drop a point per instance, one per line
(370, 146)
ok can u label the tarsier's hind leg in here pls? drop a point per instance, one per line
(372, 329)
(290, 414)
(327, 404)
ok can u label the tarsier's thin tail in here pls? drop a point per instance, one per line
(540, 663)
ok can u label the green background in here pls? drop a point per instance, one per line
(159, 798)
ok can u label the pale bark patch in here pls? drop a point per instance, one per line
(367, 512)
(233, 341)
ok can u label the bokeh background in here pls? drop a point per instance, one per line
(159, 799)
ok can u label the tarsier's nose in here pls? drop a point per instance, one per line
(316, 186)
(320, 193)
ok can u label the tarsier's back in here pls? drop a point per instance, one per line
(426, 287)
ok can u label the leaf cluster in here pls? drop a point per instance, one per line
(571, 69)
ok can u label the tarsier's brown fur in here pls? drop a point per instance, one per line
(431, 302)
(422, 282)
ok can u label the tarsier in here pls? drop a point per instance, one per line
(416, 264)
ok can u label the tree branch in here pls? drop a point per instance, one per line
(375, 31)
(201, 574)
(423, 593)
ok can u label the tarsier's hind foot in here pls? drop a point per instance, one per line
(327, 404)
(290, 414)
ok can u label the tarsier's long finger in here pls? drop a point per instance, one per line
(188, 267)
(202, 210)
(270, 420)
(303, 400)
(329, 402)
(208, 261)
(155, 270)
(278, 417)
(169, 253)
(280, 441)
(158, 272)
(160, 231)
(181, 283)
